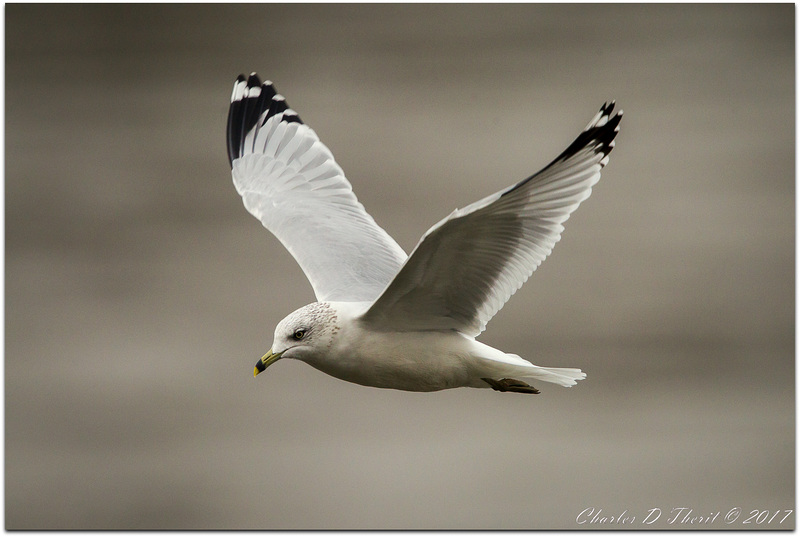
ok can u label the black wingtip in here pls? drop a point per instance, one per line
(598, 135)
(250, 100)
(601, 132)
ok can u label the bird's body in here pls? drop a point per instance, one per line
(346, 348)
(383, 318)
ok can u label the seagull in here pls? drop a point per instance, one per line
(383, 318)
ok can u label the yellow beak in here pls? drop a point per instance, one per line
(266, 361)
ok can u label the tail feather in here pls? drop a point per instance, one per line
(562, 376)
(515, 367)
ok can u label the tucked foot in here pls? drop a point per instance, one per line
(510, 385)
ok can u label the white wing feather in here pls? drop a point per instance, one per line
(468, 265)
(290, 181)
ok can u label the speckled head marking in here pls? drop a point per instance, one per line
(315, 321)
(303, 334)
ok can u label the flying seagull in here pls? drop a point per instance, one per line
(383, 318)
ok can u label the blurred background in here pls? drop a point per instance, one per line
(139, 292)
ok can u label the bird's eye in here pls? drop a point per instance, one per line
(299, 334)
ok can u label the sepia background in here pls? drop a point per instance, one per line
(139, 292)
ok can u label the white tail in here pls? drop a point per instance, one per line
(498, 365)
(562, 376)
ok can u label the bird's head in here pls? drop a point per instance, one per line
(303, 334)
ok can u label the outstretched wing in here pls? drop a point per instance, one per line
(289, 180)
(467, 266)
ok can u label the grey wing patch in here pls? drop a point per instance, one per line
(416, 296)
